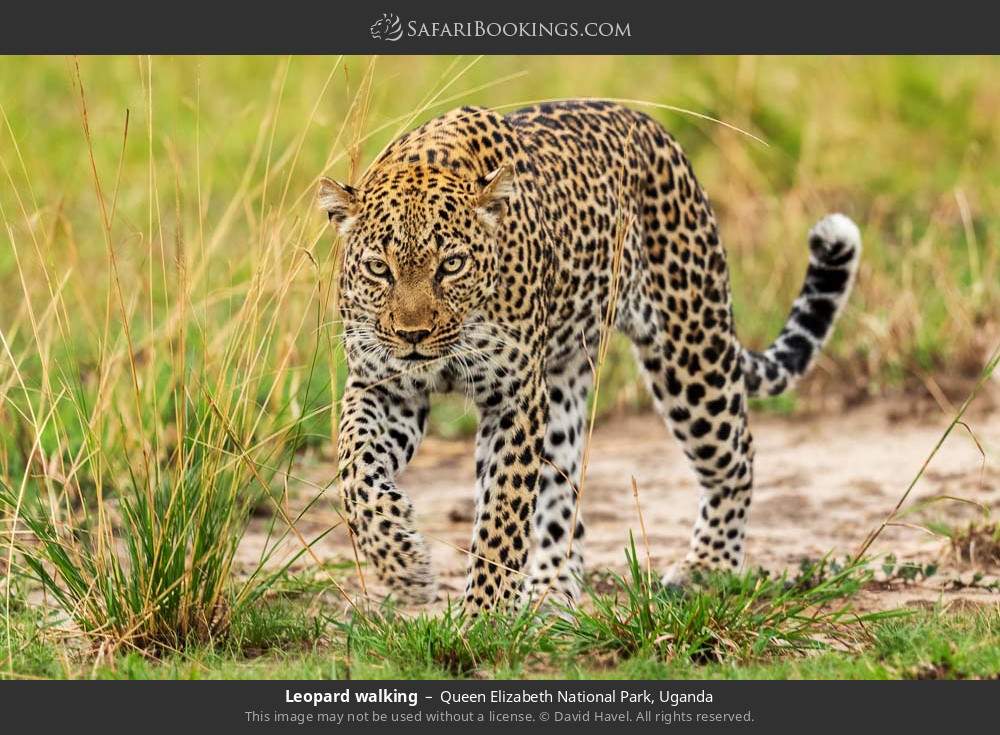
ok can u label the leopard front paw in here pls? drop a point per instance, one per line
(678, 575)
(405, 568)
(685, 574)
(484, 593)
(547, 593)
(691, 572)
(415, 590)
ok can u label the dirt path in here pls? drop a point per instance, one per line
(822, 483)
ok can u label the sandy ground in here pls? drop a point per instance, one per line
(823, 482)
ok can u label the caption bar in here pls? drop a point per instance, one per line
(498, 704)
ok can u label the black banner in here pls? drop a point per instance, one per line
(533, 706)
(513, 26)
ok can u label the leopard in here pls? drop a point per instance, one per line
(489, 254)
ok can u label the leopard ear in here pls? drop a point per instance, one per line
(495, 191)
(340, 202)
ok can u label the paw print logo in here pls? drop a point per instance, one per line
(387, 28)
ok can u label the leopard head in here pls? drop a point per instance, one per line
(420, 257)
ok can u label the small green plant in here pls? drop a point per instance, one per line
(312, 581)
(24, 645)
(907, 571)
(784, 405)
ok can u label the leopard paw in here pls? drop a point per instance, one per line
(407, 572)
(685, 574)
(551, 595)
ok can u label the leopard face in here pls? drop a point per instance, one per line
(420, 259)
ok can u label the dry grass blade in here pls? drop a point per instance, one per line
(988, 370)
(641, 103)
(645, 536)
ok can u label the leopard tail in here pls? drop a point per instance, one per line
(835, 250)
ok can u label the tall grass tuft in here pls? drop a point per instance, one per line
(148, 408)
(135, 486)
(159, 576)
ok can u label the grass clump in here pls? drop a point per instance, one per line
(940, 646)
(152, 568)
(158, 577)
(151, 562)
(448, 644)
(721, 617)
(280, 626)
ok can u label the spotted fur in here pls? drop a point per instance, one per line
(482, 254)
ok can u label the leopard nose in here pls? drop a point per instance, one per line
(413, 336)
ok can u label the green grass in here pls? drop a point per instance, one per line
(721, 617)
(747, 627)
(925, 645)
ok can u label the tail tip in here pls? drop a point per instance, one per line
(835, 238)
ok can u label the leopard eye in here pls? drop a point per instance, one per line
(452, 265)
(377, 268)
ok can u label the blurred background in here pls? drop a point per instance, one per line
(206, 201)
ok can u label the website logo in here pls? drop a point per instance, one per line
(390, 28)
(387, 28)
